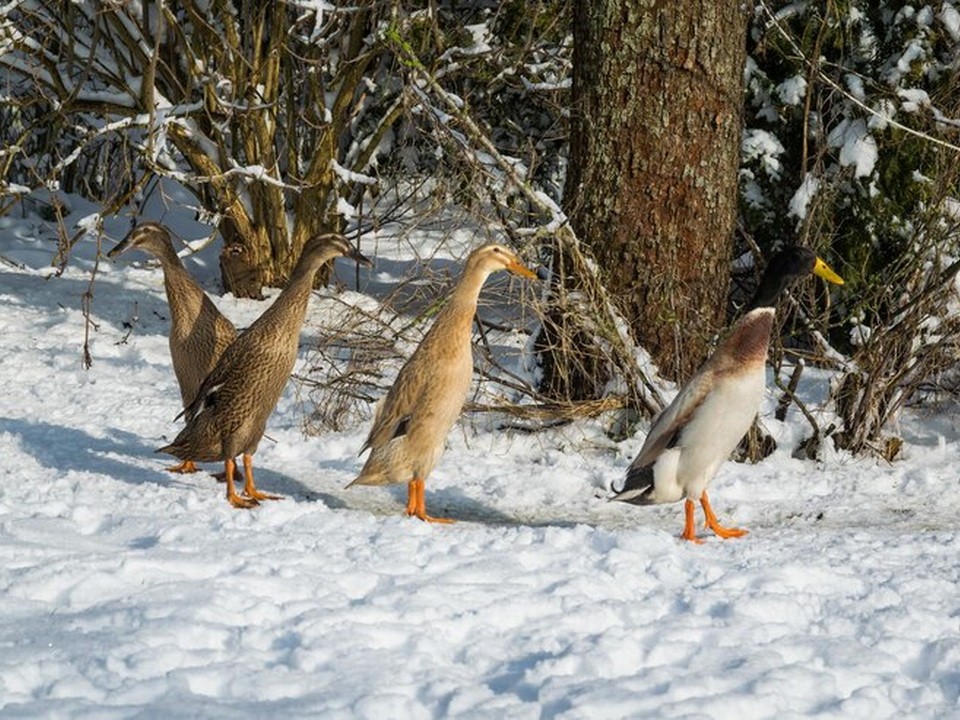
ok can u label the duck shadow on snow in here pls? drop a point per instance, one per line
(270, 481)
(112, 303)
(449, 502)
(63, 448)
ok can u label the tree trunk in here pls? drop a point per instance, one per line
(655, 143)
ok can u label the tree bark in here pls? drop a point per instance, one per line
(651, 187)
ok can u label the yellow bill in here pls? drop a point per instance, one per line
(821, 269)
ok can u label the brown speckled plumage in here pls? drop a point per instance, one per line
(199, 333)
(412, 422)
(229, 414)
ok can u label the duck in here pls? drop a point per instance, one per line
(411, 423)
(199, 333)
(228, 416)
(695, 434)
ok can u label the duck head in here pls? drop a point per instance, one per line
(787, 266)
(152, 237)
(327, 246)
(490, 258)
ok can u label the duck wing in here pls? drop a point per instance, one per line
(671, 422)
(206, 396)
(395, 412)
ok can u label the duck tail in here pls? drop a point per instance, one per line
(638, 487)
(172, 449)
(370, 477)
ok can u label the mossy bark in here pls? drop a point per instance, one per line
(655, 143)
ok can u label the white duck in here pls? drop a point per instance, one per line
(696, 433)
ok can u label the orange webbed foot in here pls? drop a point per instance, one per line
(256, 495)
(726, 533)
(237, 501)
(241, 502)
(185, 468)
(712, 523)
(417, 504)
(249, 487)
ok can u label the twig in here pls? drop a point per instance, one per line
(609, 325)
(855, 100)
(129, 325)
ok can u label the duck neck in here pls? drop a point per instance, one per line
(767, 292)
(184, 295)
(463, 300)
(456, 317)
(749, 339)
(290, 307)
(164, 252)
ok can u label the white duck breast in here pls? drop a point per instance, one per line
(715, 429)
(702, 443)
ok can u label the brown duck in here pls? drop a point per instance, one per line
(412, 422)
(229, 414)
(199, 333)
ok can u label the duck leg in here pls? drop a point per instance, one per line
(184, 468)
(417, 504)
(249, 488)
(712, 523)
(412, 497)
(236, 500)
(689, 526)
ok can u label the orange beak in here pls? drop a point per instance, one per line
(517, 268)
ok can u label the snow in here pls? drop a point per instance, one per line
(127, 592)
(793, 90)
(89, 223)
(913, 99)
(481, 38)
(857, 146)
(345, 209)
(800, 202)
(854, 84)
(913, 52)
(765, 147)
(950, 17)
(348, 176)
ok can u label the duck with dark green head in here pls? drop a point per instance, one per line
(695, 434)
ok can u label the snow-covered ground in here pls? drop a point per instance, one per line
(128, 592)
